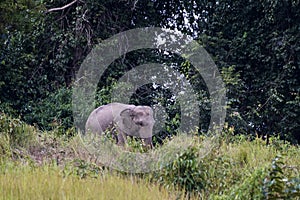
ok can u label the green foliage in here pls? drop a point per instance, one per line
(277, 185)
(53, 112)
(250, 187)
(255, 44)
(15, 133)
(186, 172)
(136, 145)
(82, 169)
(19, 52)
(17, 14)
(259, 40)
(239, 168)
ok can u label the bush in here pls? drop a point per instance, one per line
(186, 172)
(82, 169)
(277, 185)
(249, 188)
(17, 132)
(14, 134)
(53, 112)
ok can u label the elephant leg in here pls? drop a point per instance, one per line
(148, 142)
(121, 138)
(115, 137)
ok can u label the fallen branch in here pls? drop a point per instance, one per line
(61, 8)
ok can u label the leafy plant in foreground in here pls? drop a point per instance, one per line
(15, 131)
(277, 185)
(185, 172)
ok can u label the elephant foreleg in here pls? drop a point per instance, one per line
(121, 138)
(148, 142)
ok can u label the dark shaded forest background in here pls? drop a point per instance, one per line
(255, 44)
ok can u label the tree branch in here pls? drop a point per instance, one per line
(61, 8)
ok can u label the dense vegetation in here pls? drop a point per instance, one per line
(35, 164)
(255, 45)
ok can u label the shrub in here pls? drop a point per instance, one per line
(55, 111)
(82, 169)
(16, 132)
(186, 172)
(250, 187)
(277, 185)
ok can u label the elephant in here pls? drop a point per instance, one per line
(129, 120)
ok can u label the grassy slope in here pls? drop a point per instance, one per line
(41, 168)
(25, 182)
(239, 169)
(233, 171)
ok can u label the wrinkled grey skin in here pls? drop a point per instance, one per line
(128, 119)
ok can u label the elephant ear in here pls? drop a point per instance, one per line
(127, 118)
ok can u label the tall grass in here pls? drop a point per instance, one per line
(239, 169)
(48, 167)
(48, 182)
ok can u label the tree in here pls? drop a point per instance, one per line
(255, 44)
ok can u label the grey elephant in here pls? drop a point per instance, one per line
(128, 119)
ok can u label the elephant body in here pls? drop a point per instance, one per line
(128, 119)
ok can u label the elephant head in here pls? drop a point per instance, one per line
(138, 121)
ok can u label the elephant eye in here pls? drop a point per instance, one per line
(140, 123)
